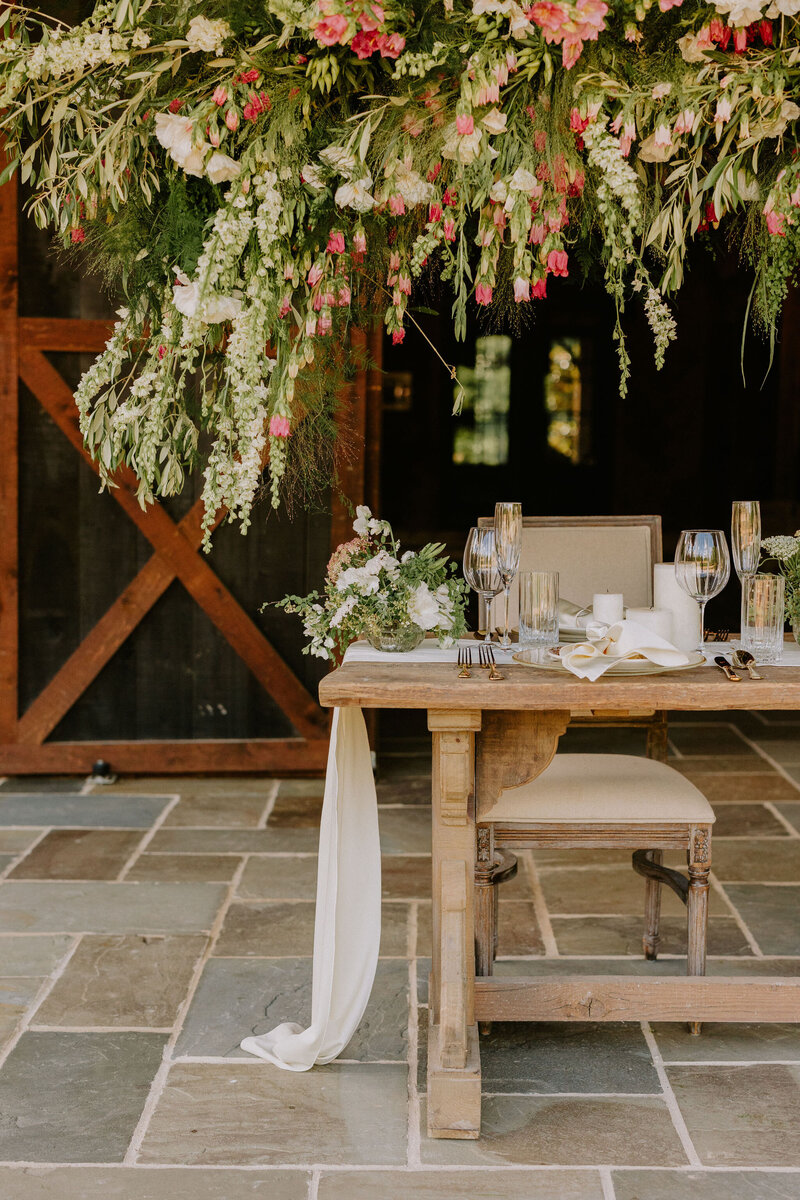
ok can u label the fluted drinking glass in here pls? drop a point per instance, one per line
(508, 540)
(702, 567)
(746, 537)
(481, 570)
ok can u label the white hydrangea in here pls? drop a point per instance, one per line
(207, 35)
(781, 547)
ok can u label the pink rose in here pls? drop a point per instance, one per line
(331, 30)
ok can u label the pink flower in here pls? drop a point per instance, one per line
(539, 288)
(548, 16)
(372, 16)
(522, 289)
(219, 95)
(247, 76)
(360, 241)
(232, 120)
(286, 305)
(628, 137)
(175, 105)
(162, 350)
(450, 198)
(571, 51)
(398, 336)
(577, 123)
(336, 242)
(537, 233)
(331, 30)
(314, 275)
(435, 212)
(404, 284)
(393, 46)
(449, 231)
(794, 199)
(396, 204)
(775, 222)
(740, 40)
(278, 426)
(540, 140)
(666, 5)
(723, 111)
(765, 29)
(77, 235)
(483, 293)
(213, 137)
(366, 43)
(465, 125)
(324, 324)
(557, 262)
(345, 296)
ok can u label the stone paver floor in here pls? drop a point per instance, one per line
(147, 927)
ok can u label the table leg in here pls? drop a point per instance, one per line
(454, 1071)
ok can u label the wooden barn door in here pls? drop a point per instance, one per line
(77, 689)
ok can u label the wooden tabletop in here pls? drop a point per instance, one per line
(436, 685)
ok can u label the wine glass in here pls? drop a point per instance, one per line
(702, 567)
(508, 540)
(481, 570)
(746, 537)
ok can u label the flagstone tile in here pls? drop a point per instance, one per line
(741, 1116)
(706, 1185)
(245, 1113)
(558, 1057)
(142, 1183)
(416, 789)
(722, 764)
(123, 980)
(42, 783)
(406, 877)
(405, 831)
(569, 1130)
(518, 929)
(757, 860)
(67, 810)
(99, 907)
(277, 929)
(75, 1097)
(234, 841)
(296, 810)
(6, 861)
(722, 1042)
(184, 868)
(745, 820)
(623, 935)
(188, 785)
(291, 878)
(240, 997)
(791, 812)
(36, 955)
(770, 913)
(220, 808)
(607, 891)
(301, 787)
(708, 739)
(783, 747)
(79, 854)
(746, 787)
(459, 1185)
(16, 996)
(17, 841)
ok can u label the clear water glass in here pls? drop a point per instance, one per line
(746, 536)
(538, 608)
(508, 540)
(481, 570)
(763, 617)
(702, 567)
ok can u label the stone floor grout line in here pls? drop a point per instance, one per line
(669, 1096)
(270, 804)
(768, 758)
(540, 906)
(778, 815)
(607, 1184)
(414, 1137)
(161, 1076)
(751, 941)
(148, 837)
(313, 1183)
(48, 983)
(23, 854)
(673, 751)
(87, 787)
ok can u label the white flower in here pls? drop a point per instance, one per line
(445, 602)
(495, 121)
(382, 561)
(311, 176)
(359, 578)
(221, 168)
(739, 12)
(661, 90)
(690, 51)
(522, 181)
(784, 8)
(176, 135)
(203, 34)
(423, 607)
(355, 195)
(363, 517)
(462, 147)
(338, 159)
(407, 557)
(344, 608)
(499, 192)
(781, 547)
(479, 7)
(214, 309)
(412, 187)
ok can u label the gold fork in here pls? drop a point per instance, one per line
(486, 654)
(464, 662)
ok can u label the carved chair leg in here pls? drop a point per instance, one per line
(492, 867)
(657, 735)
(697, 908)
(652, 909)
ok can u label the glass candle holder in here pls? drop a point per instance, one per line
(763, 617)
(538, 608)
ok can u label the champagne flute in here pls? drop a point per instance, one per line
(508, 540)
(702, 567)
(746, 537)
(481, 570)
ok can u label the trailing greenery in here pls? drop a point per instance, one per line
(252, 179)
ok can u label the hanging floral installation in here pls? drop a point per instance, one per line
(253, 177)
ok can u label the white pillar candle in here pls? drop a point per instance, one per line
(668, 593)
(656, 620)
(607, 607)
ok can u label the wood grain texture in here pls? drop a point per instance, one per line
(617, 998)
(294, 756)
(65, 334)
(9, 461)
(514, 747)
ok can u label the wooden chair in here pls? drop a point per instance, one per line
(591, 554)
(595, 800)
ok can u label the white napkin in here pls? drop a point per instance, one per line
(589, 660)
(572, 618)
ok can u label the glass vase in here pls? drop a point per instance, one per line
(395, 638)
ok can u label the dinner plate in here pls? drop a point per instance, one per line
(628, 666)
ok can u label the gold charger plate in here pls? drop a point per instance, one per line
(627, 666)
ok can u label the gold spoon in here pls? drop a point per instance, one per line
(744, 659)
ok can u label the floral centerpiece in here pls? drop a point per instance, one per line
(374, 591)
(254, 178)
(784, 550)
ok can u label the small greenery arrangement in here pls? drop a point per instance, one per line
(371, 587)
(784, 550)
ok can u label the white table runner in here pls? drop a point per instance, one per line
(347, 926)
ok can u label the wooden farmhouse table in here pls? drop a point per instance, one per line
(491, 735)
